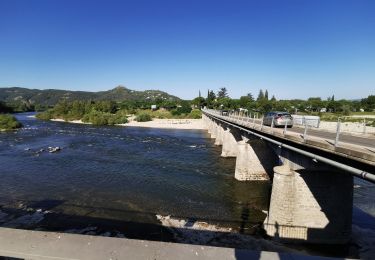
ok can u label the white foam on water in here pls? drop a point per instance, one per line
(198, 232)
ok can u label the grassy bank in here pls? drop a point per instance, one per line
(8, 122)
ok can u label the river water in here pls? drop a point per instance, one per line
(138, 183)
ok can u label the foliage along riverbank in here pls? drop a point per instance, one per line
(110, 113)
(8, 122)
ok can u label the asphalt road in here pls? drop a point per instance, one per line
(345, 138)
(330, 136)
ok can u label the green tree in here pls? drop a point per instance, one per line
(4, 108)
(264, 105)
(198, 102)
(8, 122)
(210, 98)
(315, 103)
(246, 101)
(260, 95)
(250, 96)
(222, 93)
(368, 103)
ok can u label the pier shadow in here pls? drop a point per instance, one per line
(46, 215)
(134, 229)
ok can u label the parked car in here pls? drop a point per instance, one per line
(224, 112)
(279, 119)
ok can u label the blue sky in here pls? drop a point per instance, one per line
(293, 48)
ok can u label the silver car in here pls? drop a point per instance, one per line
(279, 119)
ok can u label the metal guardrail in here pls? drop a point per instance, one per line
(313, 121)
(306, 122)
(317, 158)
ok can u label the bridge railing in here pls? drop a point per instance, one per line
(304, 123)
(245, 124)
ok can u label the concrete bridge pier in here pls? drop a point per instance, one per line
(252, 165)
(205, 120)
(219, 134)
(310, 205)
(230, 138)
(208, 125)
(214, 126)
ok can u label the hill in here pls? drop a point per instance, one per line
(49, 97)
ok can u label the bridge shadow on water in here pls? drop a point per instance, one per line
(46, 216)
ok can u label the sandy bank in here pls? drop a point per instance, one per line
(187, 124)
(72, 121)
(169, 123)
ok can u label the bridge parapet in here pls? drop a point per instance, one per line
(362, 154)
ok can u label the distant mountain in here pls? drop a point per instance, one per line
(51, 96)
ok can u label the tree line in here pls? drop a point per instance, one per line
(110, 112)
(263, 103)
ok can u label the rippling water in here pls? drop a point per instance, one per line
(124, 173)
(120, 178)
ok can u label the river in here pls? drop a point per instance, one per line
(157, 184)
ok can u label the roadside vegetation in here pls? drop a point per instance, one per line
(264, 103)
(8, 122)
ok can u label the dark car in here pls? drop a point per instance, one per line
(224, 112)
(279, 119)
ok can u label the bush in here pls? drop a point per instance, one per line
(346, 110)
(118, 118)
(195, 114)
(99, 120)
(143, 117)
(96, 118)
(9, 122)
(175, 112)
(46, 115)
(162, 114)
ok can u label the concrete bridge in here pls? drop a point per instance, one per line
(312, 179)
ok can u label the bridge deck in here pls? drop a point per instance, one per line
(355, 152)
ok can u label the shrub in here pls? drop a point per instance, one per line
(143, 117)
(99, 120)
(184, 109)
(195, 114)
(114, 119)
(9, 122)
(121, 120)
(175, 112)
(96, 118)
(162, 114)
(346, 110)
(46, 115)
